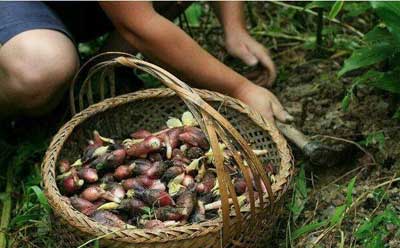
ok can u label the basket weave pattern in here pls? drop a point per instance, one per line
(116, 117)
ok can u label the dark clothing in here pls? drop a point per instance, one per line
(80, 21)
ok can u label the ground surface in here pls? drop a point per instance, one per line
(309, 88)
(322, 210)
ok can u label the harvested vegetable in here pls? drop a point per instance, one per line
(88, 174)
(94, 193)
(148, 145)
(151, 180)
(108, 218)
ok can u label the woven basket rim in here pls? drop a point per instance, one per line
(74, 217)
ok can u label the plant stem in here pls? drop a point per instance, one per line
(352, 29)
(278, 35)
(320, 24)
(6, 212)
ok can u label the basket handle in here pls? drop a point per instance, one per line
(89, 68)
(215, 126)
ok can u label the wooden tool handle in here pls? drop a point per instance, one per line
(293, 134)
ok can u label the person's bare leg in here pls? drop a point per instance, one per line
(36, 67)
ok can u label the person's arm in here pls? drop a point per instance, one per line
(158, 38)
(238, 41)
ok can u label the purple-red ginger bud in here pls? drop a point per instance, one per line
(71, 184)
(88, 174)
(195, 137)
(148, 145)
(82, 205)
(170, 213)
(107, 218)
(188, 181)
(240, 186)
(123, 171)
(140, 134)
(157, 169)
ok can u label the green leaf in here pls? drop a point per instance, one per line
(301, 185)
(390, 14)
(376, 138)
(335, 9)
(346, 102)
(388, 81)
(193, 14)
(397, 114)
(356, 9)
(367, 56)
(349, 195)
(300, 194)
(373, 231)
(338, 215)
(22, 219)
(307, 228)
(378, 34)
(40, 196)
(381, 45)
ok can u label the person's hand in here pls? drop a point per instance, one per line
(241, 45)
(264, 101)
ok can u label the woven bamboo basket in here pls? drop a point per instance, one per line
(221, 117)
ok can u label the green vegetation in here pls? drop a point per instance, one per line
(379, 53)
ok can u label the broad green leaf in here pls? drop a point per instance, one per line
(367, 56)
(381, 45)
(388, 81)
(379, 34)
(335, 9)
(349, 195)
(307, 228)
(193, 14)
(390, 14)
(356, 8)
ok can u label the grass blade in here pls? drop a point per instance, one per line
(6, 212)
(307, 228)
(335, 9)
(40, 196)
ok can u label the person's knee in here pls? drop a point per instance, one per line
(38, 79)
(34, 88)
